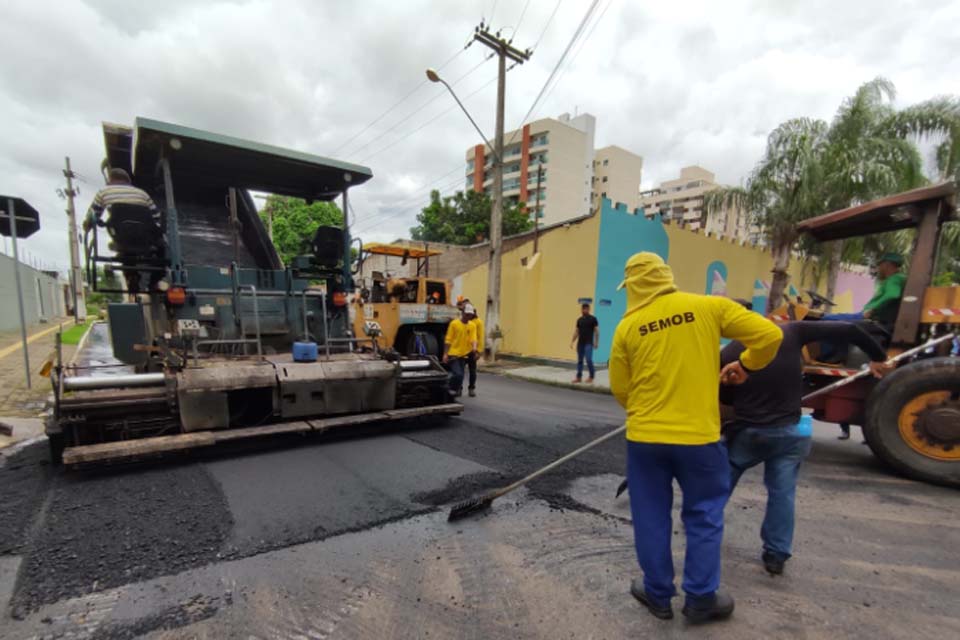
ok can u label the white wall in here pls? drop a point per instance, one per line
(42, 296)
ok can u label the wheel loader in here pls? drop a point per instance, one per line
(413, 312)
(217, 339)
(910, 418)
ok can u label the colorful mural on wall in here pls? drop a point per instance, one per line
(541, 293)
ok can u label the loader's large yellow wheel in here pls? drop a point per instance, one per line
(930, 425)
(913, 420)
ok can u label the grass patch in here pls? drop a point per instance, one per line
(74, 333)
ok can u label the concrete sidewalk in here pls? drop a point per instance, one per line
(16, 401)
(560, 377)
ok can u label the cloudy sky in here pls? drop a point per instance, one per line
(678, 82)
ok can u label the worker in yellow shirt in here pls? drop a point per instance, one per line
(459, 344)
(476, 355)
(663, 371)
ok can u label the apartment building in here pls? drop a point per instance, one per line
(681, 201)
(616, 175)
(563, 148)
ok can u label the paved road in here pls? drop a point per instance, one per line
(344, 538)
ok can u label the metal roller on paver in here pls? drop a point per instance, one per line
(911, 418)
(217, 339)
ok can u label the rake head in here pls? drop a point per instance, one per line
(469, 507)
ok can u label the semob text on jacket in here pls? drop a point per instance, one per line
(665, 358)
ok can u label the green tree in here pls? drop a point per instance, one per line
(295, 222)
(464, 218)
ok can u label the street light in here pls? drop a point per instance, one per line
(433, 76)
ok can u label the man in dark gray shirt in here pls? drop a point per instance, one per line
(766, 426)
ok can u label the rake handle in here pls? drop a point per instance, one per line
(556, 463)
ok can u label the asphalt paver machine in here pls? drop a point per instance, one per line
(219, 340)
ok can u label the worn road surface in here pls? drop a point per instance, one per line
(346, 537)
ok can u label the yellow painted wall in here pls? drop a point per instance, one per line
(539, 302)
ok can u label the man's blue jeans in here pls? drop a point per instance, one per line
(703, 473)
(585, 352)
(781, 450)
(455, 366)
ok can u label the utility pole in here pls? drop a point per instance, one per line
(503, 49)
(536, 211)
(76, 274)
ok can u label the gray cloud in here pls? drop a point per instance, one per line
(678, 82)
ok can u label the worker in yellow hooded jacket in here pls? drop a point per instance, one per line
(663, 371)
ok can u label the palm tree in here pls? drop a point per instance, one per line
(810, 168)
(781, 191)
(867, 157)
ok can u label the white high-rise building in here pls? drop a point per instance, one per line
(563, 146)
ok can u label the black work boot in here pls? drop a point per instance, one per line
(773, 563)
(638, 592)
(719, 606)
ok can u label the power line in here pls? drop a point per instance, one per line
(576, 35)
(417, 194)
(398, 102)
(546, 26)
(416, 111)
(520, 20)
(428, 122)
(583, 44)
(406, 208)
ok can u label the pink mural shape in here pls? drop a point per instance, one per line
(719, 286)
(859, 285)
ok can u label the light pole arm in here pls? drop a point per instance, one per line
(467, 113)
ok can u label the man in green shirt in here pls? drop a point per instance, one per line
(882, 307)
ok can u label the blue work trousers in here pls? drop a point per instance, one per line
(455, 366)
(585, 352)
(782, 451)
(704, 477)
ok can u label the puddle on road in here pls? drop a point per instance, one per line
(96, 357)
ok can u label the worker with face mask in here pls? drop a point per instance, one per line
(663, 371)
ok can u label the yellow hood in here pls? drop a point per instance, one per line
(645, 276)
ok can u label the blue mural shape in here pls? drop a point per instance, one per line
(622, 234)
(761, 291)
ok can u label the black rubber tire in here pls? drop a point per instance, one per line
(881, 428)
(56, 442)
(430, 342)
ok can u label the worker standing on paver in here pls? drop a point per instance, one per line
(119, 190)
(767, 425)
(586, 337)
(663, 366)
(460, 342)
